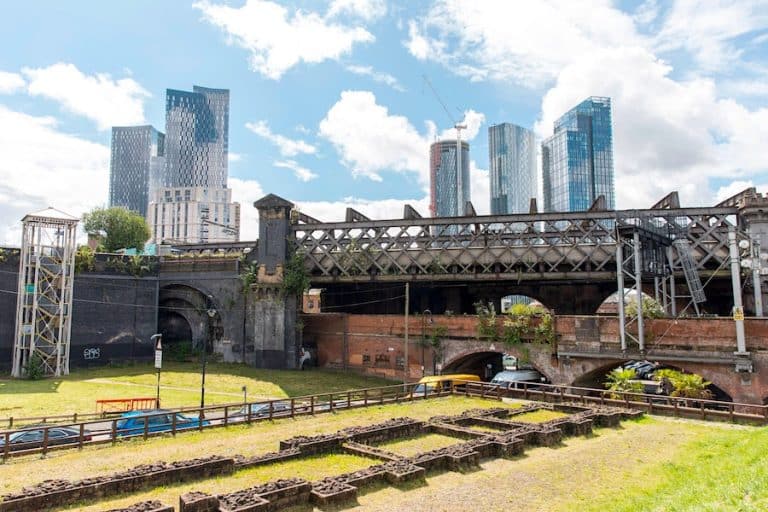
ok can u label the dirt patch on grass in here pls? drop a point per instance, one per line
(414, 445)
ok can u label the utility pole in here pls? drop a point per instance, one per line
(405, 363)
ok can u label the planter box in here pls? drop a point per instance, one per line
(198, 502)
(410, 474)
(145, 506)
(342, 493)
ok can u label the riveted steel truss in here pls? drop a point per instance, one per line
(550, 246)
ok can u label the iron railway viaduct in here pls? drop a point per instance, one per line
(687, 258)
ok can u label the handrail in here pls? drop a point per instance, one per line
(107, 431)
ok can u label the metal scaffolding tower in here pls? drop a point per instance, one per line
(640, 255)
(44, 301)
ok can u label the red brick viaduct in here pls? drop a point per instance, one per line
(586, 347)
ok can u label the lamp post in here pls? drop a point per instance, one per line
(424, 335)
(157, 339)
(751, 260)
(211, 313)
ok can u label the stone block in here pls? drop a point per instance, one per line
(399, 476)
(332, 493)
(198, 502)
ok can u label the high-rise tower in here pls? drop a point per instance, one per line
(577, 160)
(194, 205)
(136, 166)
(445, 181)
(512, 158)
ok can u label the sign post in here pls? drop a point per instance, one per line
(158, 339)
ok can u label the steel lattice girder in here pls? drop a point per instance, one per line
(543, 246)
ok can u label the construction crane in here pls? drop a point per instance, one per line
(458, 126)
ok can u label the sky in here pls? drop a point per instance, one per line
(330, 105)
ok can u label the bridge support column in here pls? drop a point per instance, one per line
(273, 314)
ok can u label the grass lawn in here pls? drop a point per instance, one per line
(655, 464)
(257, 438)
(414, 445)
(539, 416)
(179, 386)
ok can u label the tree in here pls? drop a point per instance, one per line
(118, 227)
(686, 385)
(651, 308)
(623, 380)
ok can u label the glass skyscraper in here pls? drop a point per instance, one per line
(197, 137)
(512, 158)
(445, 183)
(136, 166)
(193, 203)
(577, 161)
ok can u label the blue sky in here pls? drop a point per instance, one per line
(329, 107)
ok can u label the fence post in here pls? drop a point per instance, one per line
(74, 418)
(330, 402)
(312, 405)
(249, 416)
(293, 407)
(10, 422)
(730, 411)
(6, 446)
(365, 397)
(271, 409)
(82, 434)
(114, 431)
(226, 415)
(349, 399)
(146, 428)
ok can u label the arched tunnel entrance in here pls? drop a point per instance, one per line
(485, 364)
(598, 377)
(184, 319)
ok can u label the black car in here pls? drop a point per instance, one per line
(34, 437)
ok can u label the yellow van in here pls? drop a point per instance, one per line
(437, 383)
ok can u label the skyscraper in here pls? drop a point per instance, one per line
(577, 160)
(136, 166)
(194, 205)
(512, 157)
(449, 190)
(197, 137)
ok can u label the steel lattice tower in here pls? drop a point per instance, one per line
(44, 303)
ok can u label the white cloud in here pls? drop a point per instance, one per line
(279, 40)
(368, 10)
(287, 147)
(234, 157)
(734, 188)
(707, 29)
(370, 140)
(333, 211)
(377, 76)
(11, 82)
(301, 173)
(668, 135)
(245, 192)
(499, 40)
(480, 189)
(98, 97)
(43, 167)
(472, 120)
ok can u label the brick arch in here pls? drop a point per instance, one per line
(591, 376)
(190, 303)
(539, 359)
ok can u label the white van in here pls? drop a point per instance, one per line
(513, 378)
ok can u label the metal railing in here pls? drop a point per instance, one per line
(151, 424)
(146, 424)
(692, 408)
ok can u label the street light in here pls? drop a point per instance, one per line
(752, 259)
(211, 313)
(424, 336)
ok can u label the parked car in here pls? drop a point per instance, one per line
(437, 383)
(34, 436)
(161, 420)
(262, 410)
(514, 378)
